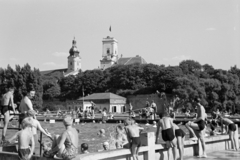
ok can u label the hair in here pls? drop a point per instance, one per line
(30, 88)
(10, 88)
(128, 121)
(120, 127)
(68, 120)
(84, 146)
(197, 99)
(27, 122)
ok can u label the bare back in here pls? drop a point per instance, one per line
(25, 105)
(165, 123)
(133, 130)
(201, 113)
(72, 136)
(227, 121)
(6, 99)
(24, 138)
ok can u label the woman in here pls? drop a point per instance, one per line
(66, 145)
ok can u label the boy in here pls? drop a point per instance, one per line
(133, 135)
(25, 136)
(231, 129)
(84, 148)
(168, 133)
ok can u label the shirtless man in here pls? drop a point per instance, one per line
(168, 133)
(25, 137)
(231, 129)
(199, 126)
(6, 104)
(26, 104)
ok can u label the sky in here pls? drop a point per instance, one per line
(40, 32)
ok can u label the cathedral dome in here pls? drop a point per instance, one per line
(74, 49)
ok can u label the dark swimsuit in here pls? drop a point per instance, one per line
(23, 154)
(167, 134)
(201, 124)
(4, 109)
(180, 133)
(232, 127)
(136, 141)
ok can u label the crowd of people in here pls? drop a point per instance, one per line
(65, 146)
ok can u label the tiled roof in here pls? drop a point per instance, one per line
(131, 60)
(52, 71)
(97, 96)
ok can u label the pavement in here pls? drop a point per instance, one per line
(221, 155)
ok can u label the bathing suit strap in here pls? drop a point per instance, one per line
(70, 140)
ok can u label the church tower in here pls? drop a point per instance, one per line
(109, 52)
(74, 59)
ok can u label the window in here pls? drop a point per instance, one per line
(123, 109)
(108, 51)
(114, 109)
(70, 63)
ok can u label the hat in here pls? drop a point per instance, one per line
(31, 113)
(68, 120)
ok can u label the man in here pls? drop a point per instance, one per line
(6, 105)
(26, 104)
(168, 133)
(154, 107)
(199, 126)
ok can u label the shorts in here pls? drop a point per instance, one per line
(21, 117)
(23, 153)
(167, 134)
(232, 127)
(4, 109)
(136, 141)
(179, 133)
(201, 124)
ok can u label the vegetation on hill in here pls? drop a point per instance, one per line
(216, 87)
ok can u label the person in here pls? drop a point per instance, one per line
(180, 135)
(26, 103)
(36, 125)
(93, 109)
(230, 129)
(84, 148)
(130, 109)
(25, 138)
(7, 103)
(133, 135)
(101, 133)
(121, 137)
(104, 115)
(199, 126)
(65, 146)
(168, 133)
(154, 107)
(106, 146)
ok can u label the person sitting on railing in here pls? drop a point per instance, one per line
(66, 145)
(25, 138)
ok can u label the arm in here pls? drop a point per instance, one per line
(29, 104)
(61, 143)
(32, 147)
(12, 103)
(39, 127)
(173, 127)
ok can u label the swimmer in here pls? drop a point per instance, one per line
(133, 134)
(121, 137)
(6, 104)
(84, 148)
(25, 137)
(168, 133)
(101, 133)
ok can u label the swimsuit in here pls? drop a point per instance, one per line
(23, 154)
(136, 141)
(167, 134)
(70, 150)
(201, 124)
(232, 127)
(4, 109)
(179, 133)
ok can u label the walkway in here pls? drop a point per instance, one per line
(221, 155)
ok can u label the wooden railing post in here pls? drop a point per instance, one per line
(148, 139)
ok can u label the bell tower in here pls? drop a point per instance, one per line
(74, 59)
(109, 52)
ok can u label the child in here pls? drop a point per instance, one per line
(168, 133)
(24, 136)
(133, 135)
(101, 133)
(121, 137)
(231, 129)
(180, 135)
(84, 148)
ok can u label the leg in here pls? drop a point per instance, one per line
(202, 139)
(231, 136)
(174, 144)
(183, 139)
(190, 126)
(134, 151)
(5, 124)
(235, 138)
(179, 144)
